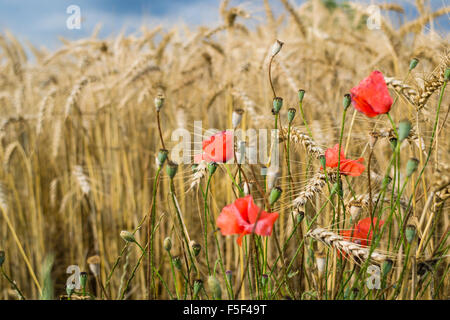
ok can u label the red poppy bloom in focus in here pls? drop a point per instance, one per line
(360, 232)
(218, 148)
(240, 218)
(371, 95)
(348, 167)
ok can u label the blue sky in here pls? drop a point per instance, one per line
(42, 21)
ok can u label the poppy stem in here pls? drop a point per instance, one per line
(300, 107)
(150, 236)
(270, 76)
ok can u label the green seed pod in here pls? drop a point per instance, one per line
(171, 169)
(275, 194)
(198, 285)
(195, 248)
(301, 94)
(2, 257)
(404, 128)
(386, 267)
(177, 262)
(410, 233)
(347, 101)
(229, 275)
(214, 287)
(277, 104)
(162, 156)
(127, 236)
(386, 181)
(393, 142)
(291, 114)
(212, 166)
(83, 279)
(447, 74)
(413, 64)
(299, 216)
(264, 280)
(411, 166)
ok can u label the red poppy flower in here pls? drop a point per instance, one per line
(360, 232)
(240, 218)
(218, 148)
(371, 95)
(348, 167)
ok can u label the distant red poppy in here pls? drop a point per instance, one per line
(240, 217)
(371, 95)
(347, 167)
(218, 148)
(360, 232)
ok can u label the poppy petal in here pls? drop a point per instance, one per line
(372, 96)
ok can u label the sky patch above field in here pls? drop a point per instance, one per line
(42, 22)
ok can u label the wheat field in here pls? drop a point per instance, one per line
(79, 134)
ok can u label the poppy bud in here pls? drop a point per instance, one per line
(393, 142)
(277, 104)
(246, 188)
(159, 102)
(373, 138)
(320, 260)
(167, 244)
(2, 257)
(413, 63)
(198, 285)
(171, 169)
(236, 117)
(229, 275)
(354, 293)
(212, 166)
(355, 212)
(162, 156)
(291, 114)
(447, 74)
(411, 166)
(410, 233)
(214, 287)
(299, 215)
(195, 248)
(347, 101)
(70, 289)
(177, 262)
(127, 236)
(272, 176)
(264, 280)
(404, 128)
(323, 161)
(275, 194)
(301, 94)
(83, 279)
(276, 47)
(386, 267)
(94, 265)
(386, 181)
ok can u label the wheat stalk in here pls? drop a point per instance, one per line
(357, 252)
(299, 137)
